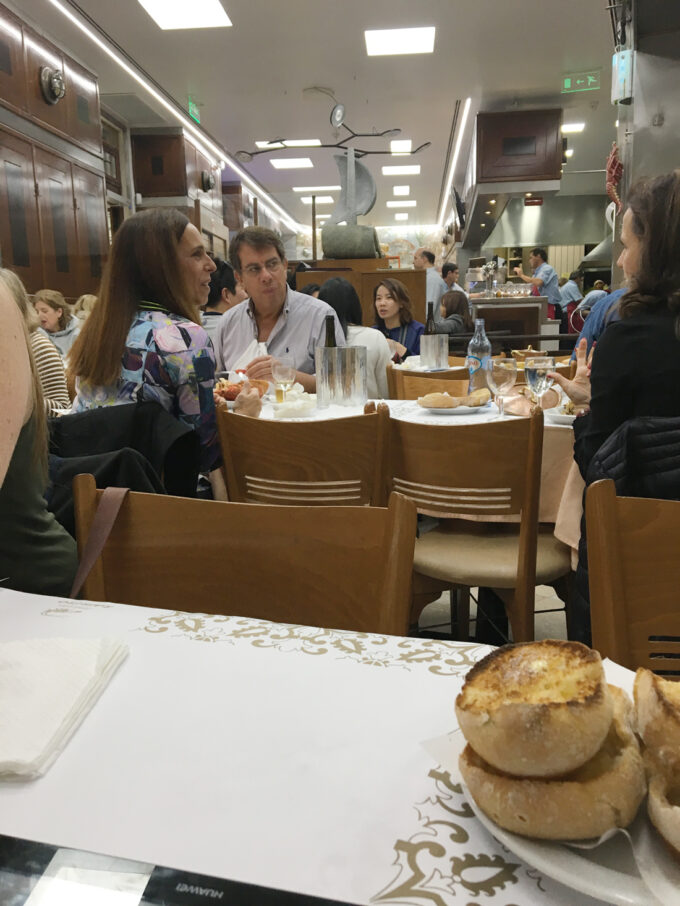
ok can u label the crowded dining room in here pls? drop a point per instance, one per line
(339, 473)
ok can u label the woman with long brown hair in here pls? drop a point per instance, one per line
(143, 339)
(36, 554)
(394, 318)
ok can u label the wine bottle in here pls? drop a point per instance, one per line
(330, 332)
(429, 323)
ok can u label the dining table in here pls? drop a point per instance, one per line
(244, 761)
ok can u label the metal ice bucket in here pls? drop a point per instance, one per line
(340, 376)
(434, 351)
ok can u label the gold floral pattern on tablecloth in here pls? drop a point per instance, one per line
(442, 861)
(439, 657)
(66, 606)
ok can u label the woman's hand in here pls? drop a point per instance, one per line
(248, 401)
(578, 389)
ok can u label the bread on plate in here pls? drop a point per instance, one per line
(536, 709)
(657, 710)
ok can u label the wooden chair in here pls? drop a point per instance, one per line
(336, 567)
(409, 385)
(334, 462)
(634, 573)
(490, 469)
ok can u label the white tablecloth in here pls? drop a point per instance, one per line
(280, 755)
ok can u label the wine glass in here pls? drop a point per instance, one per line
(283, 372)
(501, 375)
(536, 371)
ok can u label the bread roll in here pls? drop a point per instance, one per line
(657, 708)
(537, 709)
(603, 793)
(663, 807)
(438, 401)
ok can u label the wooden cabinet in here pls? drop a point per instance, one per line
(19, 235)
(58, 222)
(82, 107)
(159, 165)
(93, 241)
(12, 70)
(519, 145)
(40, 53)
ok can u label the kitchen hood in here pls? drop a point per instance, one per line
(560, 220)
(599, 257)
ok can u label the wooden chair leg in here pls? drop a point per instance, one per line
(520, 613)
(460, 612)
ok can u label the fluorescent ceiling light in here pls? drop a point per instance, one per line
(320, 199)
(408, 170)
(316, 188)
(568, 128)
(492, 201)
(454, 161)
(482, 225)
(269, 144)
(401, 204)
(401, 216)
(290, 163)
(169, 14)
(401, 190)
(387, 41)
(401, 146)
(569, 152)
(302, 142)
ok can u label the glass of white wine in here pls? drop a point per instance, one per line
(283, 372)
(536, 371)
(501, 375)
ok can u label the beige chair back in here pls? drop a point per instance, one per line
(335, 567)
(409, 385)
(337, 462)
(634, 573)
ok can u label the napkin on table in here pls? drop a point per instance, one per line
(47, 686)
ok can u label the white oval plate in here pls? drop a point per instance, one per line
(618, 882)
(557, 417)
(458, 410)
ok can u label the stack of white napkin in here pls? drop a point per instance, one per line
(47, 686)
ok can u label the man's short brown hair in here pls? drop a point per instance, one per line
(258, 238)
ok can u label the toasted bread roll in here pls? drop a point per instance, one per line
(603, 793)
(477, 398)
(657, 709)
(663, 807)
(538, 709)
(438, 401)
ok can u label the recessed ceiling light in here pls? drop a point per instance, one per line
(320, 199)
(169, 14)
(401, 216)
(290, 163)
(401, 146)
(617, 124)
(492, 201)
(527, 194)
(401, 204)
(302, 142)
(482, 225)
(316, 188)
(568, 128)
(408, 170)
(387, 41)
(401, 190)
(569, 152)
(487, 212)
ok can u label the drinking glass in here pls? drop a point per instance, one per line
(283, 372)
(501, 375)
(536, 372)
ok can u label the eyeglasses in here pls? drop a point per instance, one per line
(273, 266)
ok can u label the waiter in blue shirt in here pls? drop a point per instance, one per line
(545, 280)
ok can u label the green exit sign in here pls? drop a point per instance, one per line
(194, 112)
(581, 81)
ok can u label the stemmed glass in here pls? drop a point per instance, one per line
(283, 372)
(536, 371)
(501, 375)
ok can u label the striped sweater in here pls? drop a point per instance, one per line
(50, 370)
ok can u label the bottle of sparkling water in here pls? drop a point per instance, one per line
(478, 354)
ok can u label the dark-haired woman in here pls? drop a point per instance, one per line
(454, 310)
(394, 318)
(144, 339)
(343, 298)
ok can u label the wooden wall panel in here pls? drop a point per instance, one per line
(12, 69)
(58, 222)
(82, 107)
(19, 235)
(39, 53)
(519, 145)
(413, 280)
(93, 240)
(159, 165)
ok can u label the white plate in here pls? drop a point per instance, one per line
(557, 417)
(458, 410)
(607, 872)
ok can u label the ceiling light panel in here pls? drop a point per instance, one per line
(270, 145)
(401, 190)
(316, 188)
(569, 152)
(302, 142)
(407, 170)
(401, 216)
(320, 199)
(569, 128)
(392, 41)
(401, 146)
(291, 163)
(401, 204)
(172, 14)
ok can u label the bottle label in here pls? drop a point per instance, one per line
(473, 363)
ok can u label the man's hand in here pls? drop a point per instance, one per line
(260, 369)
(248, 401)
(578, 389)
(518, 271)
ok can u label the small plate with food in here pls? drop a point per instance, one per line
(563, 414)
(446, 404)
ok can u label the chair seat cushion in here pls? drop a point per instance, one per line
(486, 554)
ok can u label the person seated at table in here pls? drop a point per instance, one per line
(311, 289)
(144, 340)
(275, 319)
(394, 318)
(48, 363)
(343, 299)
(453, 305)
(56, 320)
(84, 305)
(635, 368)
(36, 554)
(225, 293)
